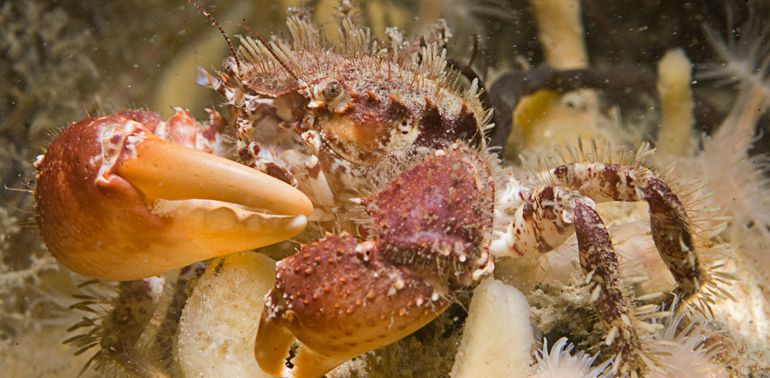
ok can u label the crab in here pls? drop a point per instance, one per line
(381, 144)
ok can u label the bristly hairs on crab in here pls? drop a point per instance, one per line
(357, 42)
(115, 319)
(705, 278)
(702, 222)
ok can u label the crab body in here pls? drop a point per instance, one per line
(320, 115)
(329, 116)
(390, 148)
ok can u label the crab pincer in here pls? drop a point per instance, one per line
(116, 201)
(341, 297)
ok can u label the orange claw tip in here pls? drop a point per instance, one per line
(118, 203)
(271, 346)
(340, 299)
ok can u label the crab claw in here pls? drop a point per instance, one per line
(341, 300)
(341, 297)
(116, 202)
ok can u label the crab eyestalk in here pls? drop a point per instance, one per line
(116, 202)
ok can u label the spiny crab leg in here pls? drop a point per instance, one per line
(549, 214)
(538, 227)
(668, 220)
(599, 260)
(547, 217)
(341, 297)
(116, 202)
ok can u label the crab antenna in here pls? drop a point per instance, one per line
(216, 24)
(272, 52)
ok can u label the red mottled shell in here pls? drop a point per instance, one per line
(341, 297)
(340, 301)
(437, 214)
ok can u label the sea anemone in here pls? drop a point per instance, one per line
(737, 179)
(744, 52)
(684, 351)
(560, 363)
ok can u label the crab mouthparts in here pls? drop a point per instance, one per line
(116, 202)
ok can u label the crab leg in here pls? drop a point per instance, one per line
(116, 202)
(669, 223)
(547, 217)
(600, 262)
(540, 224)
(340, 298)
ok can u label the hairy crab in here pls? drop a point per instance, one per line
(389, 147)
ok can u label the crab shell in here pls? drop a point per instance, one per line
(352, 104)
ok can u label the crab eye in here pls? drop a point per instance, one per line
(332, 90)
